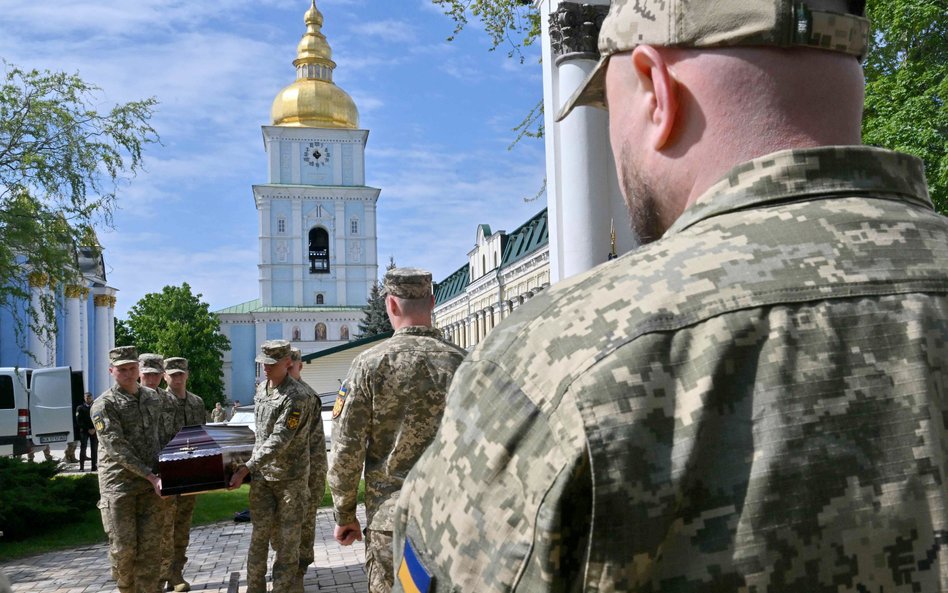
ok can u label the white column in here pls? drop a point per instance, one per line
(102, 342)
(72, 344)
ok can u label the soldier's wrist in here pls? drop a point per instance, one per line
(343, 518)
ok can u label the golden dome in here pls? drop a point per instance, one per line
(313, 100)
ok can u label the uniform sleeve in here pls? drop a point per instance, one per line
(113, 439)
(350, 430)
(292, 415)
(500, 501)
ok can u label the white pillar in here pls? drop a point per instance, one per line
(102, 342)
(72, 344)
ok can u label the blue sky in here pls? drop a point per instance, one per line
(440, 116)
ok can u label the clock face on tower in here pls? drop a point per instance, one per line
(316, 154)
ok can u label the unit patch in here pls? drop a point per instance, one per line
(98, 422)
(293, 421)
(340, 401)
(412, 574)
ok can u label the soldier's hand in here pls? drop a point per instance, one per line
(155, 483)
(348, 533)
(238, 478)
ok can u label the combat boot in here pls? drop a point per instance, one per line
(177, 583)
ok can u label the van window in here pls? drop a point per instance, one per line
(7, 401)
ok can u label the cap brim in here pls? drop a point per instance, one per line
(266, 360)
(149, 370)
(173, 371)
(591, 93)
(118, 363)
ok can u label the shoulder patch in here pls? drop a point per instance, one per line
(293, 422)
(98, 422)
(412, 574)
(340, 401)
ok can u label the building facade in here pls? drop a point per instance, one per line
(317, 221)
(504, 270)
(85, 324)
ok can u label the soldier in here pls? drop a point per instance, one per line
(189, 410)
(317, 466)
(127, 419)
(86, 433)
(279, 467)
(151, 372)
(752, 402)
(217, 414)
(386, 414)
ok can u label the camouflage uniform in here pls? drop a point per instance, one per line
(129, 428)
(279, 468)
(187, 411)
(755, 402)
(387, 413)
(217, 415)
(317, 479)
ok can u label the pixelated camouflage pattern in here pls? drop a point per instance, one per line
(281, 445)
(188, 411)
(407, 283)
(217, 415)
(395, 399)
(723, 23)
(755, 402)
(379, 571)
(318, 466)
(129, 428)
(132, 521)
(168, 412)
(277, 509)
(176, 537)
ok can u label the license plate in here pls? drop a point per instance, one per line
(53, 438)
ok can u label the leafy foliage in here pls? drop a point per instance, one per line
(375, 320)
(176, 322)
(34, 500)
(907, 85)
(61, 162)
(513, 23)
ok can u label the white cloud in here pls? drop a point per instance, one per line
(391, 31)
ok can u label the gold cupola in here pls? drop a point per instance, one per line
(313, 101)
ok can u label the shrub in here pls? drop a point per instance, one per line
(33, 498)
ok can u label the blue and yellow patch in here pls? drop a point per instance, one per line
(340, 401)
(293, 421)
(98, 422)
(412, 574)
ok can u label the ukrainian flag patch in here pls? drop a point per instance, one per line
(340, 401)
(412, 574)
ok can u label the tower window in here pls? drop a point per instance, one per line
(354, 226)
(281, 225)
(318, 251)
(320, 299)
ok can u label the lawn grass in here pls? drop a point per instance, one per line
(211, 507)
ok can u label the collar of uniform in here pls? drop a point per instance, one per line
(812, 173)
(417, 330)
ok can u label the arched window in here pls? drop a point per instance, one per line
(318, 251)
(296, 334)
(320, 299)
(320, 332)
(344, 333)
(354, 226)
(281, 225)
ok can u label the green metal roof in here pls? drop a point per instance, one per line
(453, 285)
(353, 344)
(524, 240)
(254, 307)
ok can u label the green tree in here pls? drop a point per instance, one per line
(907, 85)
(61, 161)
(176, 322)
(375, 320)
(906, 73)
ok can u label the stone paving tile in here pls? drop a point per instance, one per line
(215, 552)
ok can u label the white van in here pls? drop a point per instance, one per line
(36, 406)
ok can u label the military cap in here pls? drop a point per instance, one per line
(700, 23)
(273, 351)
(123, 355)
(296, 354)
(151, 363)
(176, 365)
(407, 283)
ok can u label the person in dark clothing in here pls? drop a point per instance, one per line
(86, 432)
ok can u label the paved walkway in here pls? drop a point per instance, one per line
(216, 552)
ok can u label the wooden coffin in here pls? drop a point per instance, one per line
(203, 458)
